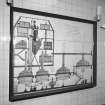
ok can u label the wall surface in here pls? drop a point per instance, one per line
(77, 8)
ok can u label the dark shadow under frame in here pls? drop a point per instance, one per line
(12, 97)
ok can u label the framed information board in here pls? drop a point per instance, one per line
(50, 54)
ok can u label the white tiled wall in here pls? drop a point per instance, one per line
(77, 8)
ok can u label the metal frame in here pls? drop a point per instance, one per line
(12, 97)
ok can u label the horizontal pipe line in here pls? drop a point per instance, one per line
(72, 53)
(32, 65)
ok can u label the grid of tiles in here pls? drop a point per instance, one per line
(77, 8)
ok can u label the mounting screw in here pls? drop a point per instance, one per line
(9, 2)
